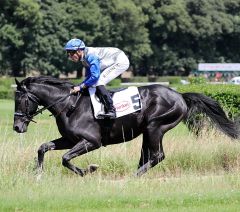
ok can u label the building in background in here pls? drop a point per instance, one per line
(218, 71)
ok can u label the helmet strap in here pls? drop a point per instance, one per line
(80, 54)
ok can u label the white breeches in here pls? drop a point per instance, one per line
(115, 70)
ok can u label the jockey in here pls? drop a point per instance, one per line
(102, 65)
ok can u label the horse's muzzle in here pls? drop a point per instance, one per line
(20, 127)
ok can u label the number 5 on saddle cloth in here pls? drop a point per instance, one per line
(125, 101)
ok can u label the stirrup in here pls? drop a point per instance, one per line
(111, 115)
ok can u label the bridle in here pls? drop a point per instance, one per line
(29, 117)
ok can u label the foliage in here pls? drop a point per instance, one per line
(116, 83)
(6, 91)
(19, 21)
(138, 79)
(165, 35)
(198, 80)
(184, 33)
(37, 42)
(227, 95)
(170, 79)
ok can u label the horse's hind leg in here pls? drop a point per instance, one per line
(145, 151)
(57, 144)
(152, 150)
(80, 148)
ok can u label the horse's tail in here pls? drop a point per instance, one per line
(200, 105)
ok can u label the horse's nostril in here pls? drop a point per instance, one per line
(16, 128)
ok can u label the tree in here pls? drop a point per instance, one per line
(163, 34)
(183, 33)
(125, 28)
(18, 24)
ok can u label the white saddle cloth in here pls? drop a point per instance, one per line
(125, 101)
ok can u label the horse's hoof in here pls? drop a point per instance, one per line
(38, 177)
(92, 167)
(38, 172)
(137, 175)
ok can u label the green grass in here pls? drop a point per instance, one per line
(197, 174)
(71, 193)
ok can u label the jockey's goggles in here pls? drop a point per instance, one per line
(71, 52)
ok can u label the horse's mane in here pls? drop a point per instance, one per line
(46, 80)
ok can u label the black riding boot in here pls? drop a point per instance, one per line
(106, 99)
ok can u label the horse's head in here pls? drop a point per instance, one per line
(26, 105)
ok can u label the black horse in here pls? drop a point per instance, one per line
(162, 109)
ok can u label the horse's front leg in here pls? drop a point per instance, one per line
(80, 148)
(57, 144)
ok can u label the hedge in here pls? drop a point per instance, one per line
(170, 79)
(227, 95)
(7, 92)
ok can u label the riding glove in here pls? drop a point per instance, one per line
(78, 88)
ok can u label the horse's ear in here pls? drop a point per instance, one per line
(18, 84)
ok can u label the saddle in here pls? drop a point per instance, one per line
(125, 101)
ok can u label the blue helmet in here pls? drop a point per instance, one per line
(74, 44)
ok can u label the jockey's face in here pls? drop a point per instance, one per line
(75, 56)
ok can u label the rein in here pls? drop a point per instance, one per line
(51, 105)
(33, 98)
